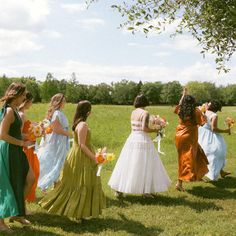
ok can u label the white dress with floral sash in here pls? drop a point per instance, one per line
(139, 169)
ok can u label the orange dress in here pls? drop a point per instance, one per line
(33, 162)
(192, 159)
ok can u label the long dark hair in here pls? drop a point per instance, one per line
(81, 113)
(14, 90)
(55, 104)
(187, 108)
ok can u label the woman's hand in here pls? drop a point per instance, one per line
(228, 131)
(27, 143)
(185, 91)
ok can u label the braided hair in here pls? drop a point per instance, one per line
(187, 108)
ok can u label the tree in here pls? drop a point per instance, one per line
(152, 91)
(49, 88)
(211, 22)
(124, 92)
(171, 92)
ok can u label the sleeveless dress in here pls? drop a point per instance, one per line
(191, 158)
(33, 162)
(52, 153)
(139, 169)
(79, 193)
(13, 171)
(214, 147)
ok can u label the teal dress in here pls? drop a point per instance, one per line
(13, 171)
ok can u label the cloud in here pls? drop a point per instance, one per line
(51, 34)
(161, 54)
(182, 43)
(12, 42)
(23, 14)
(74, 7)
(140, 45)
(91, 23)
(95, 73)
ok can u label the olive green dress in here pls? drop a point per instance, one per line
(13, 171)
(79, 193)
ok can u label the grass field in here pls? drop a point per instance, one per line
(204, 209)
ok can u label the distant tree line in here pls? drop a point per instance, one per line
(122, 92)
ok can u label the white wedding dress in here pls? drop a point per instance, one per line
(139, 169)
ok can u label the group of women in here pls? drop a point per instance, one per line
(77, 191)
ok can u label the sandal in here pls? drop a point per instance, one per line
(19, 219)
(118, 194)
(179, 188)
(223, 174)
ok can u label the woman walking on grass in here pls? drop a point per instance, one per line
(213, 143)
(15, 178)
(191, 158)
(79, 194)
(55, 146)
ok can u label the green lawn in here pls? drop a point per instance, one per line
(204, 209)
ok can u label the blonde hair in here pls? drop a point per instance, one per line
(14, 90)
(55, 104)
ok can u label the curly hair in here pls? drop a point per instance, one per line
(187, 108)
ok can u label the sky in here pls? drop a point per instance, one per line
(64, 37)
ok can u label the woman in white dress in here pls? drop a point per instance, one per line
(139, 169)
(55, 146)
(212, 142)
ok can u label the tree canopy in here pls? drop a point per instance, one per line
(211, 22)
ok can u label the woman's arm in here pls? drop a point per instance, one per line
(185, 91)
(82, 130)
(58, 129)
(8, 119)
(215, 128)
(145, 124)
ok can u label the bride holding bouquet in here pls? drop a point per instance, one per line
(139, 169)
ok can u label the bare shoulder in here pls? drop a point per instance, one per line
(82, 126)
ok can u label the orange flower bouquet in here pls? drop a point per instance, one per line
(102, 157)
(229, 122)
(38, 129)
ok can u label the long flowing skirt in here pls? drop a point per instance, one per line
(214, 147)
(79, 193)
(8, 204)
(51, 154)
(34, 164)
(139, 169)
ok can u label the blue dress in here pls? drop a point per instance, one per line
(214, 147)
(52, 153)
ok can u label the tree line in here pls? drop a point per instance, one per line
(122, 92)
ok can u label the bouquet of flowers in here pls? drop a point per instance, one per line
(157, 122)
(102, 157)
(38, 129)
(229, 122)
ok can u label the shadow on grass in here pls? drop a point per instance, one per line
(26, 231)
(198, 206)
(94, 225)
(212, 193)
(228, 182)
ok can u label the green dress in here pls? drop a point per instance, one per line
(79, 194)
(13, 171)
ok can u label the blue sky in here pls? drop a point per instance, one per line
(62, 37)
